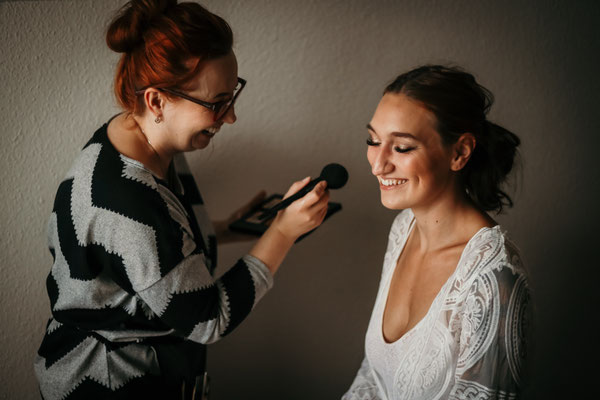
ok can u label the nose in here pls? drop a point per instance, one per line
(230, 116)
(380, 161)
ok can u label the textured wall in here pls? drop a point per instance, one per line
(316, 70)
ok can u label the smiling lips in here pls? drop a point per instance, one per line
(388, 184)
(212, 131)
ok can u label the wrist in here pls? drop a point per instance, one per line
(272, 248)
(278, 226)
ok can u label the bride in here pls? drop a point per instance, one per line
(451, 312)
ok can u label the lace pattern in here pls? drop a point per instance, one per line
(469, 345)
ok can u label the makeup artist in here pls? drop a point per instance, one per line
(132, 288)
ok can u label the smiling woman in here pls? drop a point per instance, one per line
(132, 288)
(452, 311)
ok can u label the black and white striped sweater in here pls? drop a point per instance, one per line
(132, 287)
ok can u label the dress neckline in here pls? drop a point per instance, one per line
(443, 289)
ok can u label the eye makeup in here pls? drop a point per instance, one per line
(397, 149)
(371, 142)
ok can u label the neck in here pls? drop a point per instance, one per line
(449, 221)
(158, 157)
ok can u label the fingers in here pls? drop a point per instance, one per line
(323, 214)
(316, 195)
(296, 186)
(304, 214)
(316, 202)
(321, 201)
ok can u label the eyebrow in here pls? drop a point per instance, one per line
(396, 134)
(223, 94)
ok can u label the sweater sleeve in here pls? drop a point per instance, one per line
(126, 251)
(364, 386)
(201, 308)
(183, 292)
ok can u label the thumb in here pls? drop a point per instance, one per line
(296, 186)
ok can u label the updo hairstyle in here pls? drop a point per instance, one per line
(461, 105)
(157, 38)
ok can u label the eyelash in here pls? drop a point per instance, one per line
(370, 142)
(397, 149)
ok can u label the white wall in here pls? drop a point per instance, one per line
(315, 72)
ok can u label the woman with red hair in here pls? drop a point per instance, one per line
(132, 288)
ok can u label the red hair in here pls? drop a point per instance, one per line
(157, 39)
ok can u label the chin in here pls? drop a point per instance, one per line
(200, 147)
(393, 204)
(199, 142)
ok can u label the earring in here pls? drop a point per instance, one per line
(157, 119)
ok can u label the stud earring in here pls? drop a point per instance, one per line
(157, 119)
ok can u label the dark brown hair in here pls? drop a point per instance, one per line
(461, 105)
(158, 38)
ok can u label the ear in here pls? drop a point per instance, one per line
(155, 101)
(462, 151)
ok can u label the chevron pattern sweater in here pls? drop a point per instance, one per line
(132, 288)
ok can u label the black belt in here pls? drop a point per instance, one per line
(183, 361)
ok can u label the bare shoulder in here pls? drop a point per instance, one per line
(474, 222)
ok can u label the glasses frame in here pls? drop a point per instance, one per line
(220, 108)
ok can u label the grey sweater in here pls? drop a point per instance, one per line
(132, 289)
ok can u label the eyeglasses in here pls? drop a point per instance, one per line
(220, 108)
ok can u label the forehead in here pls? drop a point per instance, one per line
(399, 113)
(215, 76)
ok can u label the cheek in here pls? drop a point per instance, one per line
(434, 170)
(202, 119)
(194, 116)
(409, 164)
(418, 169)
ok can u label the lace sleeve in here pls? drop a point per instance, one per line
(364, 386)
(493, 325)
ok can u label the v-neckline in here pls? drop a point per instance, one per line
(435, 299)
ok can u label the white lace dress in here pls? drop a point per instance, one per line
(469, 345)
